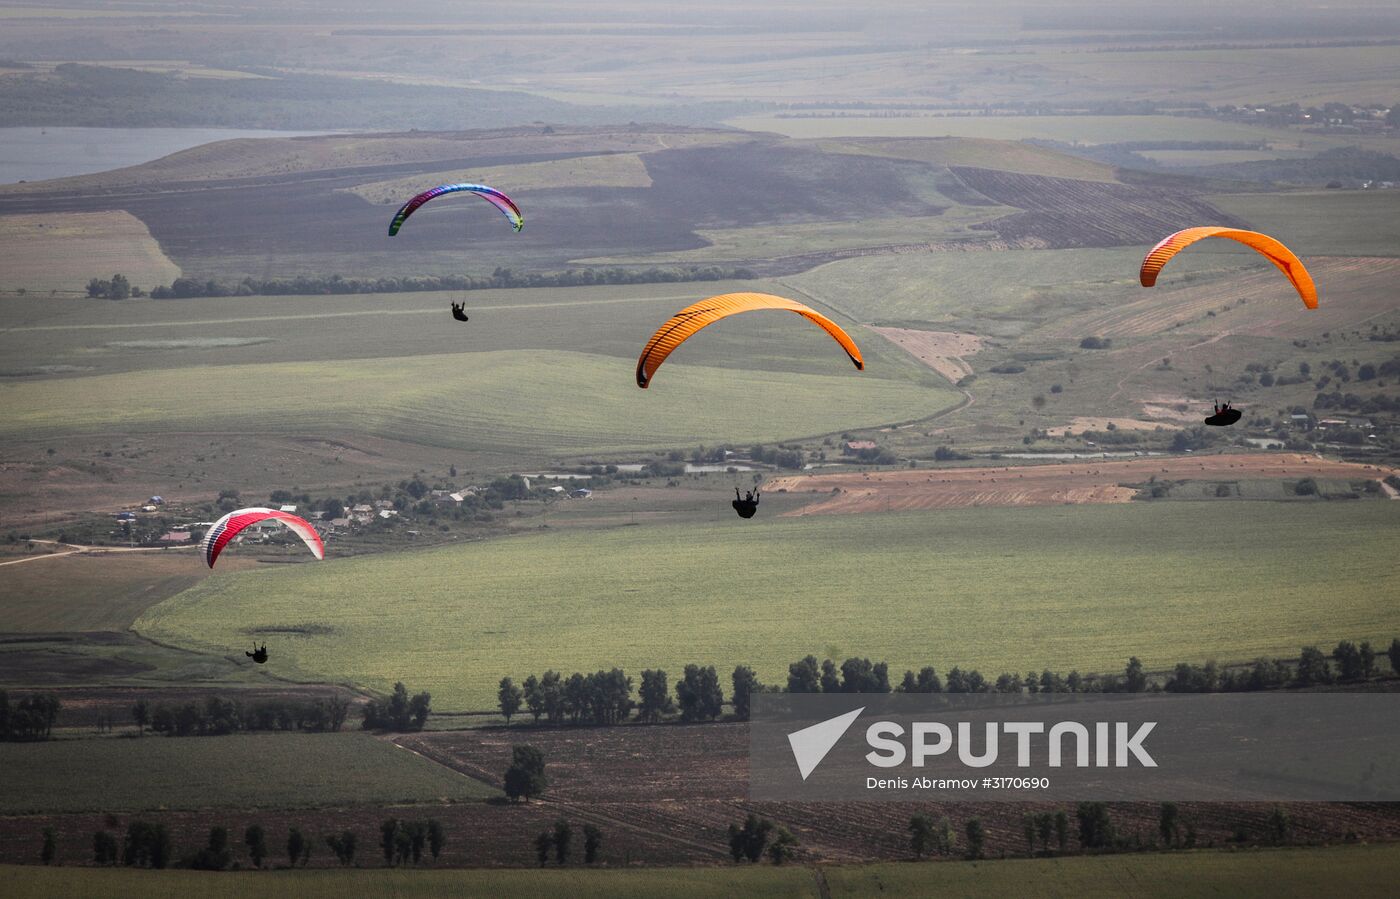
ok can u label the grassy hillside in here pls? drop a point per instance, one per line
(263, 770)
(999, 589)
(1325, 223)
(998, 294)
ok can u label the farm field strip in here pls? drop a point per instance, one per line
(81, 591)
(686, 784)
(1353, 290)
(1088, 481)
(1083, 128)
(61, 251)
(276, 770)
(1084, 585)
(1353, 870)
(792, 882)
(560, 402)
(1324, 223)
(435, 310)
(996, 294)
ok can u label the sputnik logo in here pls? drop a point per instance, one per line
(811, 744)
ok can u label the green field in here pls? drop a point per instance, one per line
(1358, 870)
(999, 294)
(997, 589)
(1324, 223)
(46, 338)
(539, 372)
(90, 593)
(240, 771)
(556, 403)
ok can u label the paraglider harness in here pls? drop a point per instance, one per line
(746, 506)
(1224, 416)
(459, 311)
(259, 653)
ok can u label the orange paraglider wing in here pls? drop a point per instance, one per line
(706, 312)
(1266, 246)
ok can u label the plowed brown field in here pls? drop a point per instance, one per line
(1088, 481)
(671, 791)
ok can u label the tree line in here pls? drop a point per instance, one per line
(605, 697)
(500, 279)
(31, 718)
(559, 839)
(400, 712)
(148, 845)
(217, 716)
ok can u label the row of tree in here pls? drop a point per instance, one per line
(400, 712)
(559, 840)
(148, 845)
(117, 288)
(501, 278)
(606, 696)
(1093, 827)
(217, 716)
(31, 718)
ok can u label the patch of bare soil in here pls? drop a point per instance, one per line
(1040, 485)
(942, 351)
(1083, 423)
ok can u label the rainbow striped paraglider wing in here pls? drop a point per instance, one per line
(489, 194)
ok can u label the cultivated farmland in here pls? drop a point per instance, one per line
(682, 787)
(1059, 586)
(240, 771)
(1361, 870)
(46, 252)
(1089, 481)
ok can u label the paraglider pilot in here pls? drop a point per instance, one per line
(1224, 416)
(259, 653)
(747, 505)
(459, 311)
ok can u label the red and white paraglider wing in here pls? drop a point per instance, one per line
(228, 527)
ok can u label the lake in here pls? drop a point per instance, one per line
(37, 154)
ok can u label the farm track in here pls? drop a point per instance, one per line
(1050, 484)
(91, 550)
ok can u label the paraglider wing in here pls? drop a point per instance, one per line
(489, 194)
(228, 527)
(697, 315)
(1266, 246)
